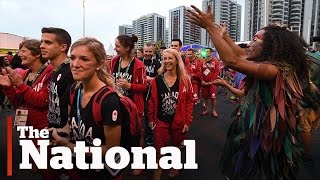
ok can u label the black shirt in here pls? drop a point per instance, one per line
(59, 96)
(125, 73)
(152, 67)
(89, 127)
(167, 100)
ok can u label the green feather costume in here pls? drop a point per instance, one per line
(262, 142)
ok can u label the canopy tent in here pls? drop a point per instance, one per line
(111, 51)
(193, 46)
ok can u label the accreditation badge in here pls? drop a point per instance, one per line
(21, 117)
(206, 72)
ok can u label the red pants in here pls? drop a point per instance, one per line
(164, 135)
(209, 92)
(195, 91)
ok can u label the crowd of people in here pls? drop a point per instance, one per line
(278, 104)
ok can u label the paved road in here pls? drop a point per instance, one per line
(209, 134)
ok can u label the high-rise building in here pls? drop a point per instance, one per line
(149, 28)
(293, 13)
(227, 11)
(234, 25)
(167, 37)
(311, 27)
(180, 27)
(256, 16)
(125, 29)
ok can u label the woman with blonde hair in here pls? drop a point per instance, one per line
(170, 105)
(88, 67)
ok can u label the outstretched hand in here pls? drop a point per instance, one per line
(222, 29)
(219, 81)
(202, 19)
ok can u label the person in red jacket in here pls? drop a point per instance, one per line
(128, 71)
(170, 105)
(193, 70)
(130, 76)
(27, 90)
(209, 72)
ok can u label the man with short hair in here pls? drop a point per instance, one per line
(152, 65)
(176, 44)
(55, 44)
(150, 62)
(162, 48)
(193, 70)
(209, 69)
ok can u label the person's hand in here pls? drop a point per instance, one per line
(149, 79)
(14, 77)
(57, 140)
(4, 79)
(185, 128)
(219, 82)
(203, 19)
(152, 125)
(123, 83)
(222, 29)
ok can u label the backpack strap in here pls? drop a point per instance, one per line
(97, 101)
(72, 92)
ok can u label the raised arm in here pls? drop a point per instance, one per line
(228, 56)
(236, 49)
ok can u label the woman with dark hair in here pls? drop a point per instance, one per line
(263, 142)
(129, 74)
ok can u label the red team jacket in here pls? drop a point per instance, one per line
(35, 99)
(213, 67)
(184, 107)
(139, 82)
(194, 69)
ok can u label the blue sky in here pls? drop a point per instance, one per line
(27, 17)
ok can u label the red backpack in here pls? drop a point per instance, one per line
(130, 122)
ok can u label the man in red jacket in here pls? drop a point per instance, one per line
(193, 70)
(209, 72)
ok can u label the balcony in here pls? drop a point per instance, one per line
(277, 4)
(295, 22)
(278, 1)
(225, 9)
(295, 17)
(277, 19)
(277, 11)
(277, 14)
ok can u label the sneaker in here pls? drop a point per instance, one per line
(204, 105)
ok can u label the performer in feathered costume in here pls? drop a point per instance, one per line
(263, 140)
